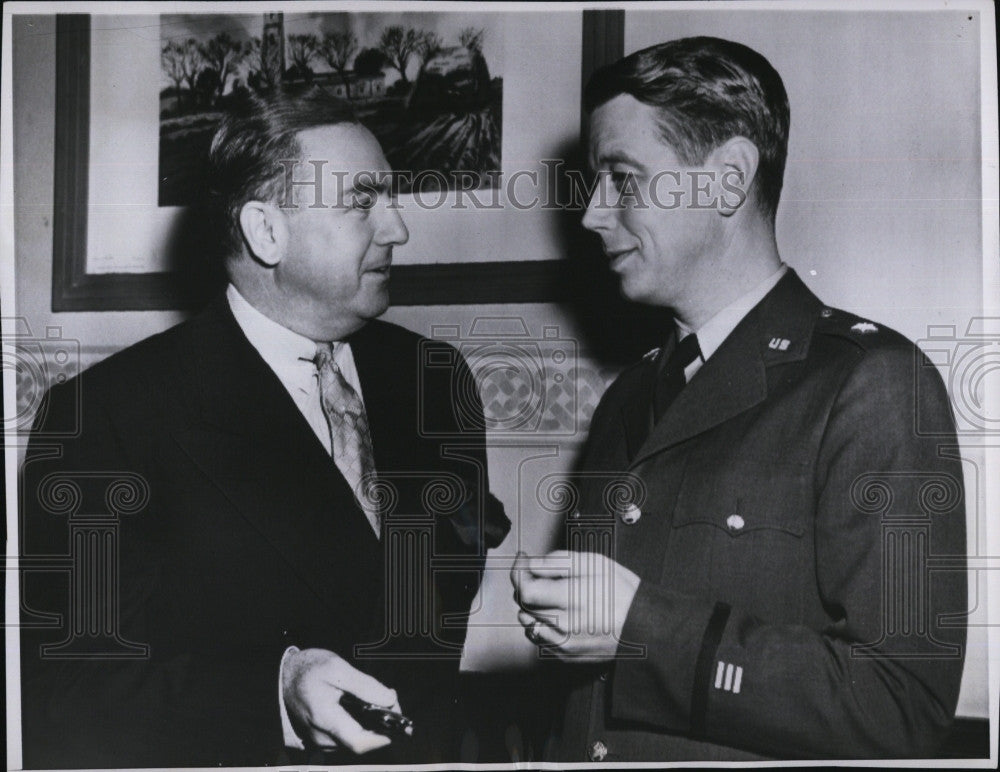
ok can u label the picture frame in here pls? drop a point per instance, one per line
(76, 289)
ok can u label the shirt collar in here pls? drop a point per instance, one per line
(714, 332)
(287, 353)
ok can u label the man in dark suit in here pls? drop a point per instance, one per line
(264, 510)
(770, 508)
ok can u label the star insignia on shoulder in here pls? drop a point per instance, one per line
(864, 327)
(652, 354)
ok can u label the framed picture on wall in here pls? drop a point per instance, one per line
(454, 98)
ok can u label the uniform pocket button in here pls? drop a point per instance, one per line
(735, 523)
(597, 751)
(630, 514)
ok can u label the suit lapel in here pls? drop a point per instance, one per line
(390, 385)
(635, 413)
(250, 439)
(734, 379)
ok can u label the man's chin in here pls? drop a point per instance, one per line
(634, 290)
(376, 304)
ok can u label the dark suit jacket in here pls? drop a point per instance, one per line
(250, 541)
(799, 546)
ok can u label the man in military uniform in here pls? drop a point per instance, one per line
(766, 590)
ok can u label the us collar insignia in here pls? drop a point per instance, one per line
(652, 354)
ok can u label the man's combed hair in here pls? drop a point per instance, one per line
(253, 138)
(706, 91)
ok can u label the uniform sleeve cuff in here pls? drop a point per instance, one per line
(657, 687)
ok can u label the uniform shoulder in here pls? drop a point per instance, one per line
(630, 377)
(862, 333)
(635, 368)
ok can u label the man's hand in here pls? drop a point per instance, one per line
(312, 683)
(575, 603)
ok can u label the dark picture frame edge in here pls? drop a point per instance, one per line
(73, 289)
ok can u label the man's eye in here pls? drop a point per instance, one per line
(623, 181)
(363, 200)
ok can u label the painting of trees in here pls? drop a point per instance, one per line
(180, 62)
(472, 38)
(222, 54)
(398, 44)
(429, 45)
(337, 48)
(259, 75)
(369, 62)
(302, 49)
(170, 60)
(253, 51)
(426, 90)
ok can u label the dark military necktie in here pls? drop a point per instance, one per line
(349, 436)
(670, 378)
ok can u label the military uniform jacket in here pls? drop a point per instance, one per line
(800, 547)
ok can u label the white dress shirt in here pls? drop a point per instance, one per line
(714, 332)
(290, 356)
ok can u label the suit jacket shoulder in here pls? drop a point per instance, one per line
(153, 362)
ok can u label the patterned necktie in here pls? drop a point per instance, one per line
(670, 380)
(349, 436)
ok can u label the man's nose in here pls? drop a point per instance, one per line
(392, 229)
(598, 215)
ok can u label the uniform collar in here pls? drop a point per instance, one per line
(712, 334)
(776, 331)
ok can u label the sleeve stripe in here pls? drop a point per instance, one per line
(718, 674)
(703, 667)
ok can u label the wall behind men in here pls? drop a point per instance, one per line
(881, 215)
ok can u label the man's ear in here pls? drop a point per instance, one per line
(264, 231)
(738, 159)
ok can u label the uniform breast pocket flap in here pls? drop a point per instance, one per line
(747, 501)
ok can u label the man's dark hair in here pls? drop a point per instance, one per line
(706, 91)
(254, 136)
